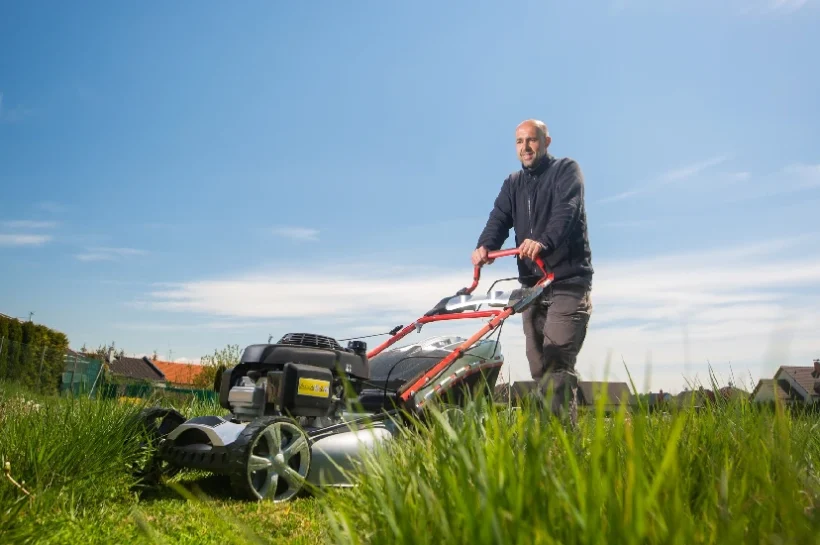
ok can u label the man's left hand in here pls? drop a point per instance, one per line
(530, 249)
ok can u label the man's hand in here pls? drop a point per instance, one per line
(530, 249)
(480, 257)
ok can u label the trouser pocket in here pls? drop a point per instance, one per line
(555, 330)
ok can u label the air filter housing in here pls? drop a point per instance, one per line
(310, 339)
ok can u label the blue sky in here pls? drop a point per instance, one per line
(184, 176)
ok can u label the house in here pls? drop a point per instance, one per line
(513, 393)
(790, 384)
(767, 391)
(125, 370)
(501, 393)
(732, 392)
(652, 400)
(179, 374)
(588, 393)
(130, 377)
(798, 383)
(816, 375)
(614, 394)
(699, 398)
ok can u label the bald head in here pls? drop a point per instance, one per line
(531, 141)
(538, 125)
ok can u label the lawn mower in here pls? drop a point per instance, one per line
(303, 408)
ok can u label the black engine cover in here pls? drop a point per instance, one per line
(302, 351)
(306, 390)
(336, 360)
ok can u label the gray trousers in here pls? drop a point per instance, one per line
(555, 327)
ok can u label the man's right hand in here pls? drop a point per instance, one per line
(480, 257)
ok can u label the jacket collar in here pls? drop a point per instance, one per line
(539, 168)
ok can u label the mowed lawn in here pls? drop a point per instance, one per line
(172, 519)
(730, 473)
(73, 456)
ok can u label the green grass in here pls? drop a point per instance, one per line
(733, 473)
(73, 457)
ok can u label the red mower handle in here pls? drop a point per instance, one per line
(504, 253)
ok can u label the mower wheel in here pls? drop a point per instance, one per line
(156, 423)
(270, 460)
(454, 416)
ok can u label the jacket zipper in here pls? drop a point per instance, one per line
(529, 213)
(529, 216)
(529, 204)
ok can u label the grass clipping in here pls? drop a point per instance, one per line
(728, 473)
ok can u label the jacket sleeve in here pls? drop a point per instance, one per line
(500, 221)
(567, 203)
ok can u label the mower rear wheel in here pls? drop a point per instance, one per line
(271, 460)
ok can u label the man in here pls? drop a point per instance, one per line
(544, 203)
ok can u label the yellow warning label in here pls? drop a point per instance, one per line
(313, 387)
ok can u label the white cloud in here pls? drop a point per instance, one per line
(289, 294)
(194, 361)
(296, 233)
(789, 6)
(732, 7)
(29, 224)
(803, 176)
(52, 207)
(617, 224)
(694, 169)
(108, 254)
(792, 178)
(727, 187)
(753, 306)
(198, 326)
(12, 114)
(23, 240)
(719, 306)
(165, 358)
(92, 256)
(673, 176)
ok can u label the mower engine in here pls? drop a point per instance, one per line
(302, 376)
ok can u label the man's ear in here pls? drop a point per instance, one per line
(547, 142)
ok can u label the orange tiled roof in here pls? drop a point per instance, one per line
(179, 373)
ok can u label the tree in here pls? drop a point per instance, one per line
(101, 352)
(215, 363)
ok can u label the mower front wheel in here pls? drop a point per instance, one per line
(271, 460)
(155, 424)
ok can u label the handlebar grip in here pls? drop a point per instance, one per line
(514, 251)
(502, 253)
(494, 255)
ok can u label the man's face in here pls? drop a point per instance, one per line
(529, 145)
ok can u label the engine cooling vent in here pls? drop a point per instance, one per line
(310, 339)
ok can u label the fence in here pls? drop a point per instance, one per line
(120, 387)
(82, 375)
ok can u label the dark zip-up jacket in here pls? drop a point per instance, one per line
(546, 204)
